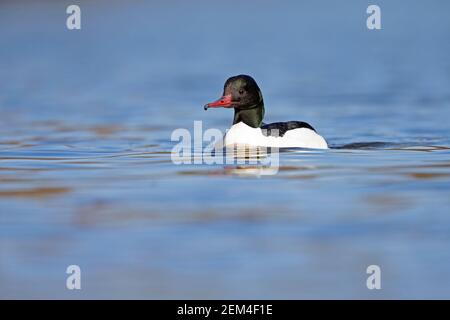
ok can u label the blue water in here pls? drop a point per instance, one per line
(86, 175)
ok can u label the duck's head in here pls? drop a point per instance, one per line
(243, 94)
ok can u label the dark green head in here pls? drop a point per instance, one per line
(243, 94)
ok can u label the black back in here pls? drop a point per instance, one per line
(283, 127)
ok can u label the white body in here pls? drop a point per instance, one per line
(240, 133)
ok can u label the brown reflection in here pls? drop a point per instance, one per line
(428, 175)
(385, 202)
(23, 169)
(13, 179)
(35, 192)
(301, 176)
(10, 142)
(105, 130)
(103, 213)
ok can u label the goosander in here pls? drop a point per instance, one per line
(243, 94)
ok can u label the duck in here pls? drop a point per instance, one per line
(243, 94)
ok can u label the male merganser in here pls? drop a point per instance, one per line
(243, 94)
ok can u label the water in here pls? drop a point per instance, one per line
(86, 176)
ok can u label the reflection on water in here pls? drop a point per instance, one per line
(86, 175)
(36, 192)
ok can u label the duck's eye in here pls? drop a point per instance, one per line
(241, 91)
